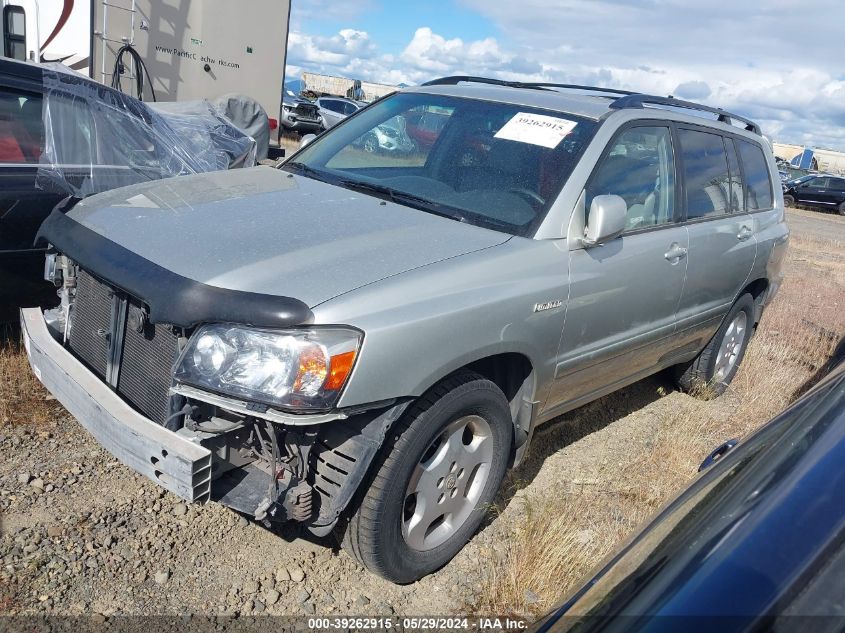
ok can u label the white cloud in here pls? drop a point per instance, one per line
(768, 60)
(753, 59)
(338, 50)
(431, 53)
(693, 90)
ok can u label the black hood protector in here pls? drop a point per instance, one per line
(171, 298)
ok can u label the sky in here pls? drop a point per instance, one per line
(779, 62)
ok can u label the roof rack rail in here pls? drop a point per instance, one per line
(537, 85)
(456, 79)
(639, 100)
(610, 91)
(626, 98)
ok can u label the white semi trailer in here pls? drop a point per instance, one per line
(192, 49)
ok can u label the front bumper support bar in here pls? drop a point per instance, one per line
(170, 460)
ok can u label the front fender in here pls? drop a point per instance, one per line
(422, 325)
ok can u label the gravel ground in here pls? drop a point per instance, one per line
(80, 533)
(817, 224)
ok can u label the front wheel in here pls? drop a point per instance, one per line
(439, 470)
(788, 201)
(710, 373)
(842, 209)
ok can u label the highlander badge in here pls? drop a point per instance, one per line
(549, 305)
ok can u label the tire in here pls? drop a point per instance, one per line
(788, 200)
(378, 533)
(842, 208)
(705, 376)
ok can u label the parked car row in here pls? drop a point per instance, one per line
(312, 117)
(333, 110)
(403, 134)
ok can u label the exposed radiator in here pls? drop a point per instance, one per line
(147, 368)
(145, 358)
(91, 324)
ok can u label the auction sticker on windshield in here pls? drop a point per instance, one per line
(537, 129)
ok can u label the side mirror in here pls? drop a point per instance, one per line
(607, 220)
(306, 139)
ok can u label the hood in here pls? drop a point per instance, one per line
(266, 231)
(297, 101)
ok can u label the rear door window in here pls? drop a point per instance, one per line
(705, 173)
(837, 183)
(21, 127)
(758, 186)
(817, 183)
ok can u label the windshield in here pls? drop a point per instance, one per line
(490, 164)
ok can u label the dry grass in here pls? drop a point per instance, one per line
(290, 143)
(22, 398)
(553, 543)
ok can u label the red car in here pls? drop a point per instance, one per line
(424, 127)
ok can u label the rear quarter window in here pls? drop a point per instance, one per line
(758, 186)
(21, 127)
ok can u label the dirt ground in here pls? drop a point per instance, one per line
(81, 533)
(816, 224)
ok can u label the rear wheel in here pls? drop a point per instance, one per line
(710, 373)
(439, 470)
(842, 208)
(788, 200)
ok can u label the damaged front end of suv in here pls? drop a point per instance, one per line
(240, 410)
(353, 340)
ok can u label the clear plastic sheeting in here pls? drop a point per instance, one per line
(96, 138)
(213, 140)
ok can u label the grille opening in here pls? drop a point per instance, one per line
(146, 357)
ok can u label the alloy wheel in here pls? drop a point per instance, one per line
(447, 483)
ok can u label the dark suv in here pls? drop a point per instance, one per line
(96, 139)
(824, 192)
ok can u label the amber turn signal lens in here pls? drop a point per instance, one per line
(339, 369)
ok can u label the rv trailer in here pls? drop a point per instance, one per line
(191, 49)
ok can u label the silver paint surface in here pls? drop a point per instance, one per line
(433, 295)
(266, 231)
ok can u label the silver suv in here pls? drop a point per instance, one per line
(365, 342)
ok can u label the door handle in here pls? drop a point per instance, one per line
(675, 253)
(744, 233)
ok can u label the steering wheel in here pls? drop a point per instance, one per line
(530, 196)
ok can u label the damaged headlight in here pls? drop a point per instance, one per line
(289, 369)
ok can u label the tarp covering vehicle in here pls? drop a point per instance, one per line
(96, 138)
